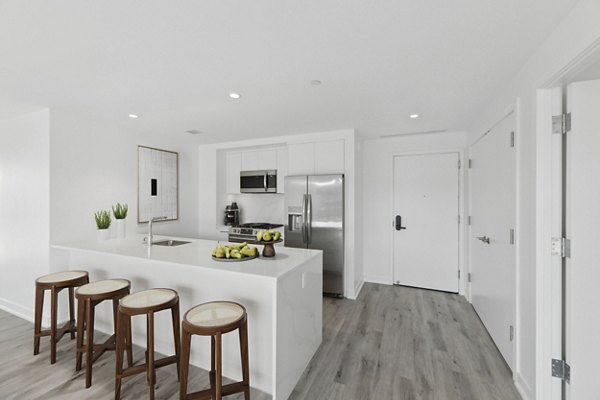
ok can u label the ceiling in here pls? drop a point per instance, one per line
(174, 63)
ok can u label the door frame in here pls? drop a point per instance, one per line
(546, 200)
(462, 267)
(512, 109)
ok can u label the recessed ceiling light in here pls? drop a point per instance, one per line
(133, 116)
(413, 116)
(235, 95)
(315, 82)
(194, 132)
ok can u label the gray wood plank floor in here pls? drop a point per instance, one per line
(392, 343)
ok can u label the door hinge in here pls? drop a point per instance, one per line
(562, 370)
(512, 139)
(469, 220)
(511, 333)
(459, 274)
(469, 277)
(458, 164)
(561, 124)
(512, 236)
(561, 247)
(458, 218)
(470, 163)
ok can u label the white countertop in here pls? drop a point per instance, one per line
(197, 254)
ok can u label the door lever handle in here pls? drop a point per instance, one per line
(484, 239)
(398, 223)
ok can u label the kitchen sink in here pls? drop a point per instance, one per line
(169, 243)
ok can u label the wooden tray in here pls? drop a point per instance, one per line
(234, 259)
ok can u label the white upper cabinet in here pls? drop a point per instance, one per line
(316, 158)
(329, 157)
(301, 159)
(282, 169)
(267, 159)
(233, 167)
(250, 161)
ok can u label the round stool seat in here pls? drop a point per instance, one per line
(103, 287)
(215, 314)
(149, 298)
(64, 276)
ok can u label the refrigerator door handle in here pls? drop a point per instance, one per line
(309, 219)
(304, 218)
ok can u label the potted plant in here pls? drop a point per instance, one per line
(120, 213)
(103, 220)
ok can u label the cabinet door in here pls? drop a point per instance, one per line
(282, 169)
(250, 161)
(233, 168)
(329, 157)
(267, 159)
(301, 159)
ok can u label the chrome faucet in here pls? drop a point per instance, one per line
(150, 236)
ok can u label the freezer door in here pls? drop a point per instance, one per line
(326, 227)
(295, 212)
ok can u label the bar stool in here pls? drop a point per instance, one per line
(145, 302)
(55, 283)
(88, 297)
(215, 319)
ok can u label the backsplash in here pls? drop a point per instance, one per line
(259, 207)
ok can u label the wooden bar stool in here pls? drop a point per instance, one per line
(145, 302)
(215, 319)
(55, 283)
(88, 297)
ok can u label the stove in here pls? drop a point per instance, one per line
(247, 232)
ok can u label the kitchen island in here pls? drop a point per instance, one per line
(282, 295)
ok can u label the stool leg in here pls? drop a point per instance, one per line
(186, 340)
(244, 353)
(129, 344)
(39, 308)
(72, 312)
(89, 346)
(120, 339)
(80, 326)
(211, 374)
(219, 376)
(176, 335)
(53, 317)
(150, 347)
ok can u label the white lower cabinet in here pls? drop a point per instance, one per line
(233, 165)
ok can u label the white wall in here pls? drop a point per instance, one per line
(94, 166)
(377, 169)
(24, 208)
(577, 34)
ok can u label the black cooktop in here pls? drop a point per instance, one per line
(260, 225)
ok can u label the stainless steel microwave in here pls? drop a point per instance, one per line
(264, 181)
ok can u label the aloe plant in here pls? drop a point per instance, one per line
(103, 219)
(120, 210)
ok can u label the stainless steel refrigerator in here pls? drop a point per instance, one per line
(314, 207)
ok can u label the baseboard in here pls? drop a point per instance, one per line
(523, 388)
(358, 288)
(377, 279)
(17, 310)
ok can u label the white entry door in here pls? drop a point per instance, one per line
(493, 202)
(583, 218)
(426, 226)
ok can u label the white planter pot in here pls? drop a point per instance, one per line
(103, 234)
(121, 228)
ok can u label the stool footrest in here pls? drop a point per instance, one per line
(206, 394)
(144, 367)
(68, 327)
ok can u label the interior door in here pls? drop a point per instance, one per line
(426, 225)
(582, 219)
(493, 218)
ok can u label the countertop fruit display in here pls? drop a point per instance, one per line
(234, 250)
(268, 236)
